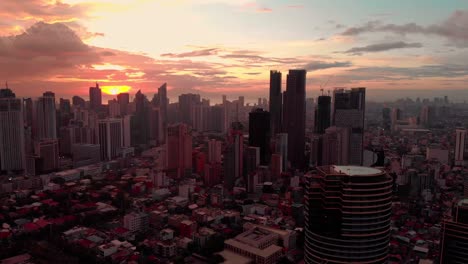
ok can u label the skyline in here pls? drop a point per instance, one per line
(215, 47)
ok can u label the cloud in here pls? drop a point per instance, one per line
(52, 56)
(322, 65)
(264, 10)
(383, 47)
(195, 53)
(454, 28)
(425, 71)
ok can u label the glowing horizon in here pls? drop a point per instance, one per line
(224, 46)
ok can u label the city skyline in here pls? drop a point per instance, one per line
(194, 48)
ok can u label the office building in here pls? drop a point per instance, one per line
(322, 114)
(110, 137)
(281, 148)
(347, 215)
(349, 111)
(47, 151)
(276, 102)
(460, 146)
(12, 134)
(335, 146)
(95, 98)
(294, 116)
(454, 242)
(179, 150)
(214, 151)
(252, 159)
(259, 133)
(233, 156)
(45, 117)
(123, 99)
(187, 103)
(386, 118)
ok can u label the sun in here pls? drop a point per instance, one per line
(115, 89)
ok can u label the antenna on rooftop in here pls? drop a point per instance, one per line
(6, 84)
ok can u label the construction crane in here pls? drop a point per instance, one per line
(322, 86)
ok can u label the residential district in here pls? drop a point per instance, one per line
(289, 179)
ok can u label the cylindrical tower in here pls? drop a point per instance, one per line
(348, 210)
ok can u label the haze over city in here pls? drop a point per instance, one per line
(224, 46)
(233, 132)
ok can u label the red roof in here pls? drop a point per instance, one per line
(121, 230)
(5, 234)
(30, 227)
(85, 243)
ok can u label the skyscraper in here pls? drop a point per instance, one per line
(78, 101)
(123, 100)
(214, 151)
(294, 116)
(187, 102)
(179, 150)
(141, 130)
(460, 146)
(335, 146)
(454, 242)
(281, 148)
(45, 117)
(348, 211)
(322, 114)
(233, 156)
(12, 136)
(349, 111)
(163, 104)
(110, 137)
(387, 118)
(259, 133)
(276, 102)
(95, 97)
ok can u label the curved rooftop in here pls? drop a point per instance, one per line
(355, 170)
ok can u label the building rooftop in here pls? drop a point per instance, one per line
(355, 170)
(264, 253)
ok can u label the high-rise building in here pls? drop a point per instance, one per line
(349, 111)
(387, 118)
(153, 122)
(281, 147)
(110, 137)
(123, 99)
(12, 135)
(163, 105)
(233, 156)
(276, 102)
(140, 131)
(48, 152)
(187, 102)
(259, 133)
(335, 146)
(454, 242)
(78, 101)
(214, 151)
(347, 215)
(45, 117)
(179, 150)
(114, 108)
(294, 116)
(252, 159)
(322, 114)
(460, 146)
(95, 97)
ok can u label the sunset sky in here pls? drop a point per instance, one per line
(216, 47)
